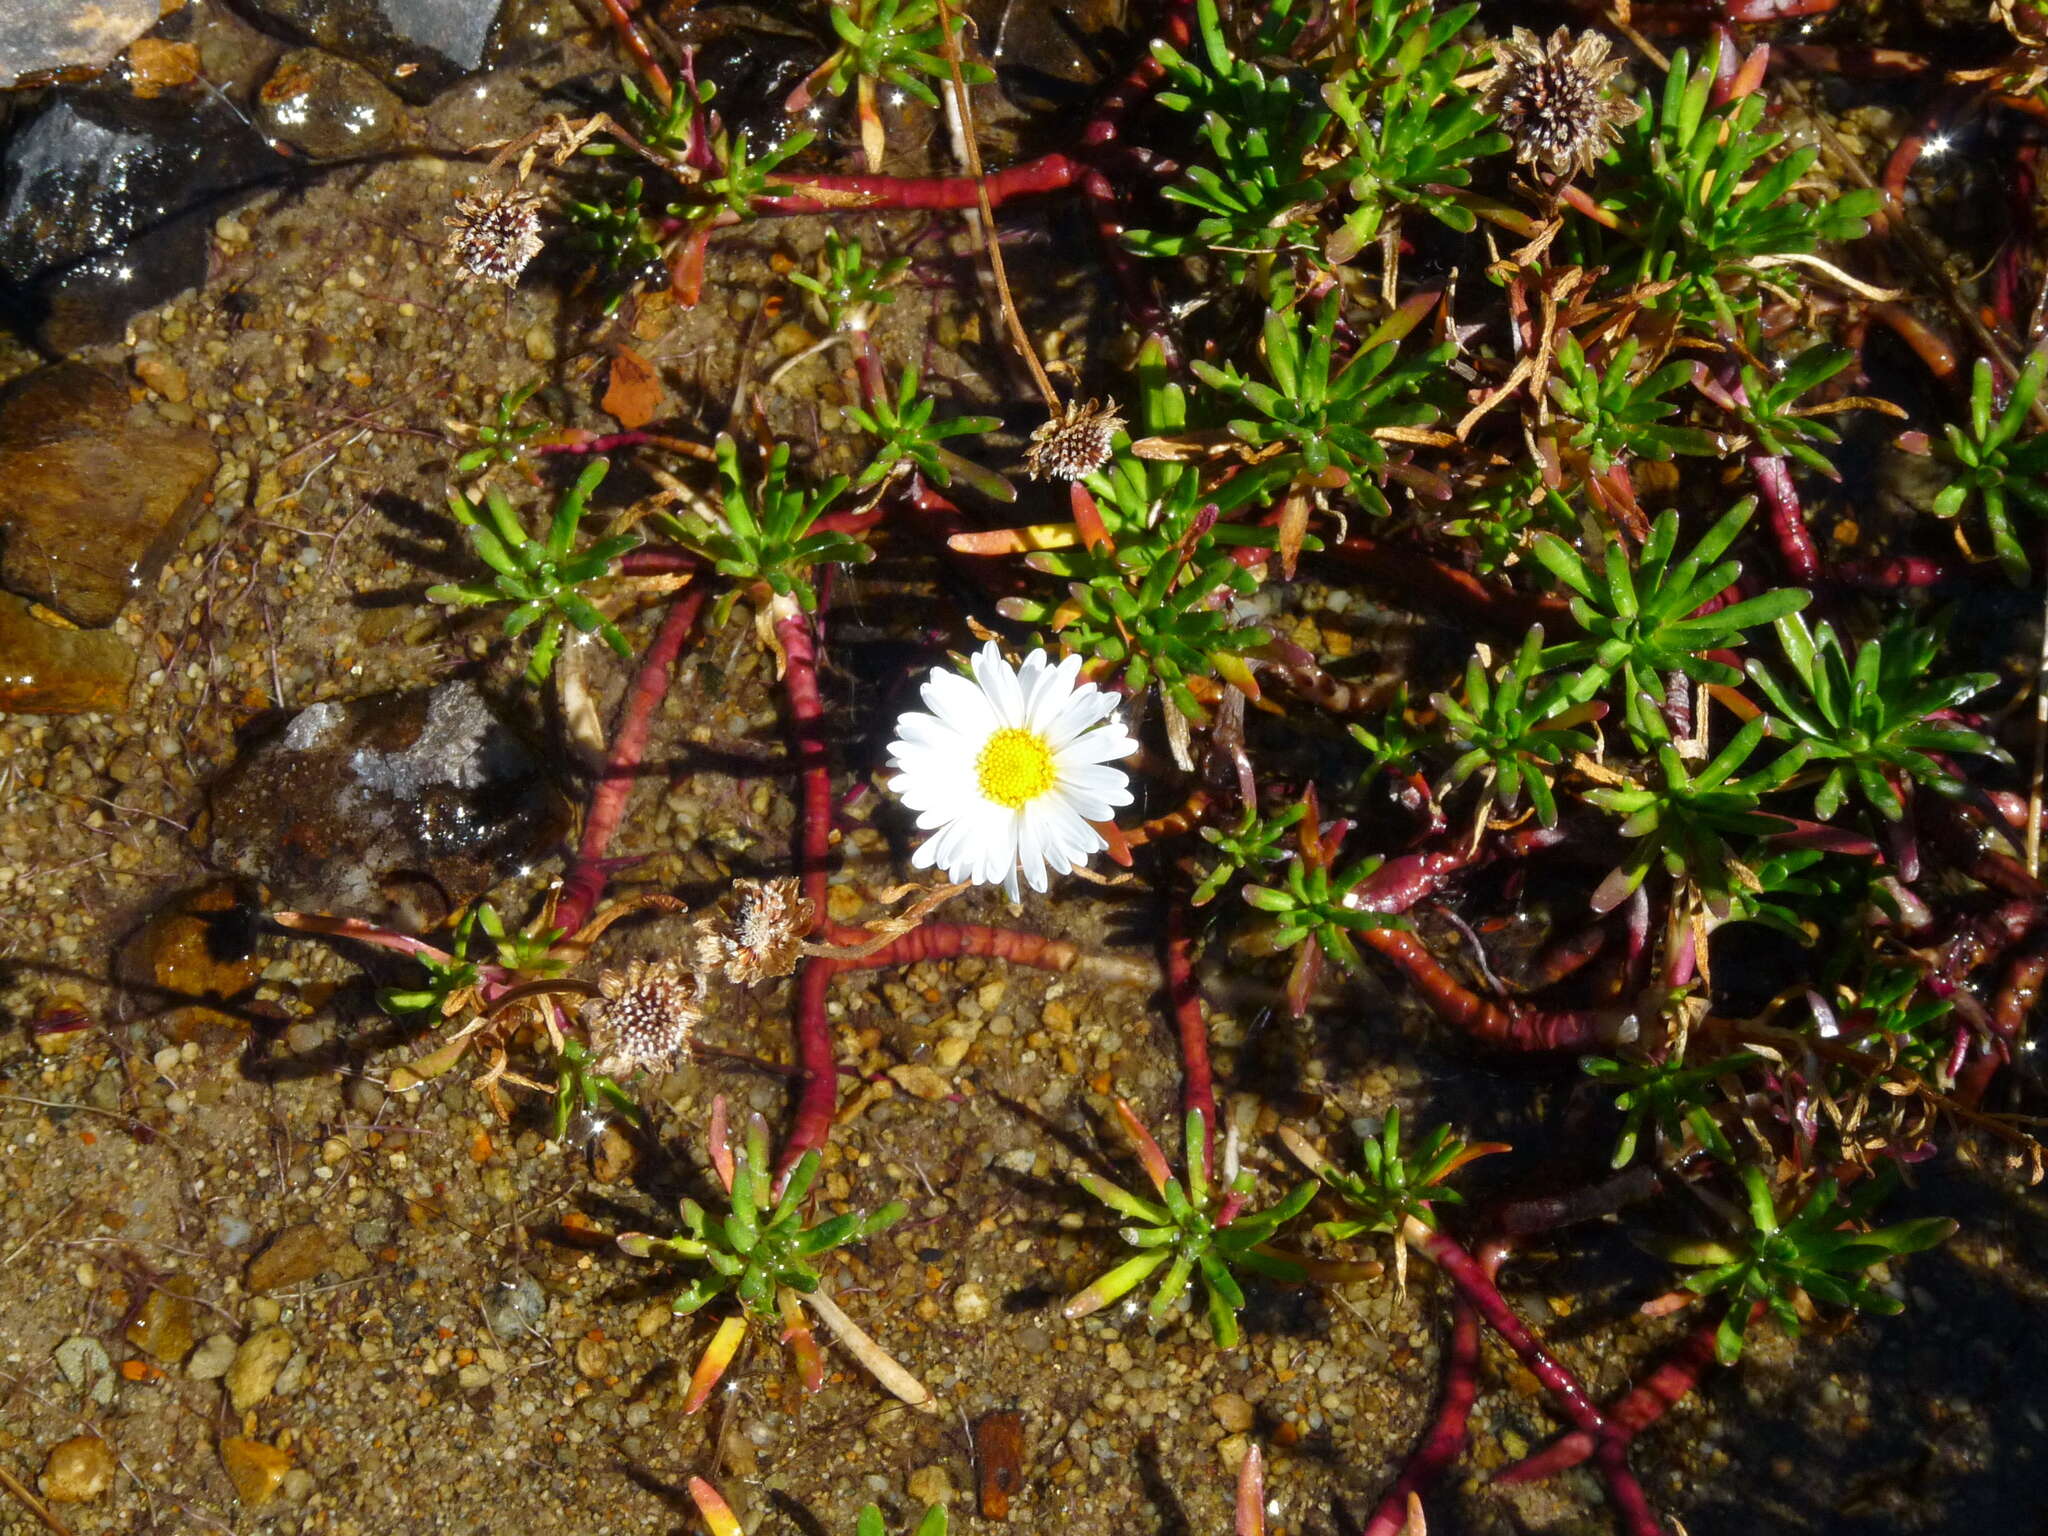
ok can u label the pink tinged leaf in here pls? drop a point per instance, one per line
(1251, 1495)
(1088, 517)
(361, 932)
(721, 1148)
(803, 1344)
(1149, 1156)
(712, 1365)
(1015, 541)
(718, 1515)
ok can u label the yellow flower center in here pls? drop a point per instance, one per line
(1015, 767)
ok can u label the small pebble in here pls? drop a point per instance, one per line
(970, 1303)
(78, 1469)
(210, 1361)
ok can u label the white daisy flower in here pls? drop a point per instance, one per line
(1009, 769)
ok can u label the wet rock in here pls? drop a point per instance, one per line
(41, 37)
(48, 668)
(417, 47)
(196, 956)
(516, 1305)
(164, 1326)
(95, 491)
(107, 201)
(329, 108)
(397, 807)
(257, 1470)
(256, 1367)
(79, 1469)
(1233, 1412)
(298, 1254)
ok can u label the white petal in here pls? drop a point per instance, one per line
(1053, 696)
(999, 684)
(1031, 849)
(1086, 706)
(1104, 744)
(962, 705)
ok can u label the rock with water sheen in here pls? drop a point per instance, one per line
(44, 37)
(395, 808)
(47, 668)
(95, 492)
(417, 47)
(106, 202)
(329, 108)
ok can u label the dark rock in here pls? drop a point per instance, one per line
(48, 669)
(397, 808)
(329, 108)
(417, 47)
(43, 37)
(95, 492)
(106, 201)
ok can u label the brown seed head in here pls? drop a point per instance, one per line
(1077, 441)
(1554, 99)
(643, 1016)
(494, 235)
(760, 933)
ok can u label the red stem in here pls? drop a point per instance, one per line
(584, 883)
(1887, 575)
(1473, 1283)
(1510, 1026)
(799, 641)
(636, 44)
(1446, 1436)
(1788, 523)
(1198, 1091)
(833, 193)
(817, 1094)
(950, 941)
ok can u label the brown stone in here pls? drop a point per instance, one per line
(256, 1469)
(298, 1254)
(1233, 1412)
(80, 1468)
(95, 491)
(48, 669)
(613, 1156)
(194, 951)
(164, 1325)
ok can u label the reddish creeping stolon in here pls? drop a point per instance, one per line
(1635, 1411)
(583, 885)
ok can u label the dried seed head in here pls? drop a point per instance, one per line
(494, 235)
(643, 1016)
(1554, 101)
(1077, 441)
(760, 933)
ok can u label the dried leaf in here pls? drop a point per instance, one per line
(634, 394)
